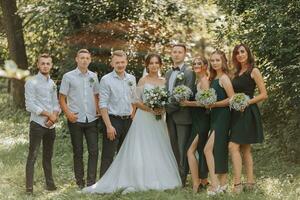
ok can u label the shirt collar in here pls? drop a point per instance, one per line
(115, 75)
(42, 77)
(78, 72)
(180, 66)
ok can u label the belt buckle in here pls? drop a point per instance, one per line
(124, 117)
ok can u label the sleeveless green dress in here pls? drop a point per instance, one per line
(220, 124)
(246, 127)
(200, 126)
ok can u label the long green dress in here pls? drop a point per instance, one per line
(246, 127)
(219, 124)
(200, 126)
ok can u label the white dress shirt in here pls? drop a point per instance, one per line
(172, 79)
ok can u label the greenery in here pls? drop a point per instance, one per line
(61, 27)
(277, 178)
(270, 29)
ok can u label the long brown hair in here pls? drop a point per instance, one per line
(213, 72)
(237, 65)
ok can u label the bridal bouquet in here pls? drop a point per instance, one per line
(239, 101)
(156, 98)
(181, 93)
(206, 97)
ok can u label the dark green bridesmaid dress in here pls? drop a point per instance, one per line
(220, 124)
(246, 127)
(200, 127)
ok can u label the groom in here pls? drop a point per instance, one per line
(179, 119)
(115, 104)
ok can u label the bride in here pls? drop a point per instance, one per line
(145, 160)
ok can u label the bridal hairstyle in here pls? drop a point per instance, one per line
(237, 64)
(148, 58)
(213, 72)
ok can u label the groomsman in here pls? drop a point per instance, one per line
(179, 120)
(41, 101)
(116, 92)
(78, 99)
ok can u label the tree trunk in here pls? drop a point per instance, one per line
(16, 46)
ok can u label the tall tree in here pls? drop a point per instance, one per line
(16, 46)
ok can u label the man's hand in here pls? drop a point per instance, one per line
(49, 123)
(111, 133)
(72, 117)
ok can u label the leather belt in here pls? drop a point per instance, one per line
(120, 117)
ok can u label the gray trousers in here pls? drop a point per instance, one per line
(179, 135)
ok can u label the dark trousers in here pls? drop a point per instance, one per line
(109, 148)
(179, 135)
(37, 133)
(90, 132)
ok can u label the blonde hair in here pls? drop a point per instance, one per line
(119, 53)
(83, 51)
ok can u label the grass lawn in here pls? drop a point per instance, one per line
(276, 178)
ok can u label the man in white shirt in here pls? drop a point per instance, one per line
(78, 97)
(41, 101)
(116, 92)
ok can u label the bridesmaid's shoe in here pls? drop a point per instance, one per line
(249, 186)
(223, 188)
(237, 188)
(213, 192)
(203, 186)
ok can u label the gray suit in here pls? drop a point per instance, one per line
(179, 120)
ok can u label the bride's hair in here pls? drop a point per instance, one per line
(149, 57)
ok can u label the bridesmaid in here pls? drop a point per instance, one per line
(246, 127)
(216, 148)
(200, 128)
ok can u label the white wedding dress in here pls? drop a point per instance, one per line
(145, 160)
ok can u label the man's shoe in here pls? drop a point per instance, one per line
(29, 191)
(51, 187)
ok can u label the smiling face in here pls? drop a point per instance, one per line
(198, 66)
(44, 65)
(154, 65)
(242, 55)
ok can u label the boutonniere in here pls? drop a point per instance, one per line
(180, 76)
(92, 81)
(130, 83)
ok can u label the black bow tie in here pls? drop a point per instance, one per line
(175, 69)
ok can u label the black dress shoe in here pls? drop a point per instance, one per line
(29, 191)
(51, 187)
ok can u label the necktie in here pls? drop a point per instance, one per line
(175, 69)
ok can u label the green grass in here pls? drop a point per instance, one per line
(276, 177)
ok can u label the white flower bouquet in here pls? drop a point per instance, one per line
(156, 98)
(206, 97)
(181, 93)
(239, 101)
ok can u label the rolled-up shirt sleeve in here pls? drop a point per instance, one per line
(64, 86)
(30, 101)
(104, 93)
